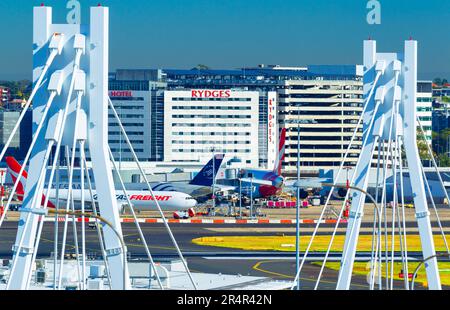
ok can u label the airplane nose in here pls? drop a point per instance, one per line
(192, 202)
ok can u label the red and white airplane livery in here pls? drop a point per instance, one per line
(141, 200)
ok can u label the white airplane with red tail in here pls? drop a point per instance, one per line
(141, 200)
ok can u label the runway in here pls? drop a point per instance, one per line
(158, 239)
(278, 266)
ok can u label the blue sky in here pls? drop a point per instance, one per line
(236, 33)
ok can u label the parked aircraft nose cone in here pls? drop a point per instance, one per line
(191, 202)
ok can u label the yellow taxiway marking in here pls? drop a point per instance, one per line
(60, 243)
(70, 245)
(363, 268)
(151, 246)
(320, 243)
(98, 250)
(257, 268)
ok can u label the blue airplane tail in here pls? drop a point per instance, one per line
(205, 176)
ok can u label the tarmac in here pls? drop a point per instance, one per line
(306, 214)
(161, 247)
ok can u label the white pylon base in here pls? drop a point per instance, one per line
(83, 64)
(390, 118)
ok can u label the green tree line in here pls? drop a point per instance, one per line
(19, 89)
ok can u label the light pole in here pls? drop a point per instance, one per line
(251, 194)
(120, 143)
(240, 198)
(297, 205)
(347, 169)
(448, 146)
(214, 184)
(297, 213)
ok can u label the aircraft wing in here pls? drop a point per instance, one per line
(306, 183)
(257, 181)
(225, 187)
(203, 191)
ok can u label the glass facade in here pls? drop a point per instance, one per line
(22, 139)
(263, 80)
(157, 121)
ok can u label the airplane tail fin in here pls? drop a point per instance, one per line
(205, 176)
(14, 169)
(281, 152)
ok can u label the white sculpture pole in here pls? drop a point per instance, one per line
(397, 85)
(98, 141)
(92, 123)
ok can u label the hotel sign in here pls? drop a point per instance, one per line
(272, 129)
(202, 93)
(121, 93)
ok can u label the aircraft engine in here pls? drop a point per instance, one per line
(340, 193)
(191, 212)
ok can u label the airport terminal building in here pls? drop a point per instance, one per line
(152, 94)
(425, 107)
(266, 99)
(133, 108)
(198, 122)
(328, 111)
(328, 97)
(139, 101)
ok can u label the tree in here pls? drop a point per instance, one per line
(423, 150)
(443, 160)
(441, 147)
(440, 81)
(202, 67)
(422, 145)
(437, 81)
(19, 89)
(441, 140)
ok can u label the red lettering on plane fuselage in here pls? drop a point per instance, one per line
(149, 197)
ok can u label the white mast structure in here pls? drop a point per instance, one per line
(70, 109)
(390, 91)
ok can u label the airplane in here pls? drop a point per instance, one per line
(439, 196)
(142, 200)
(264, 183)
(200, 187)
